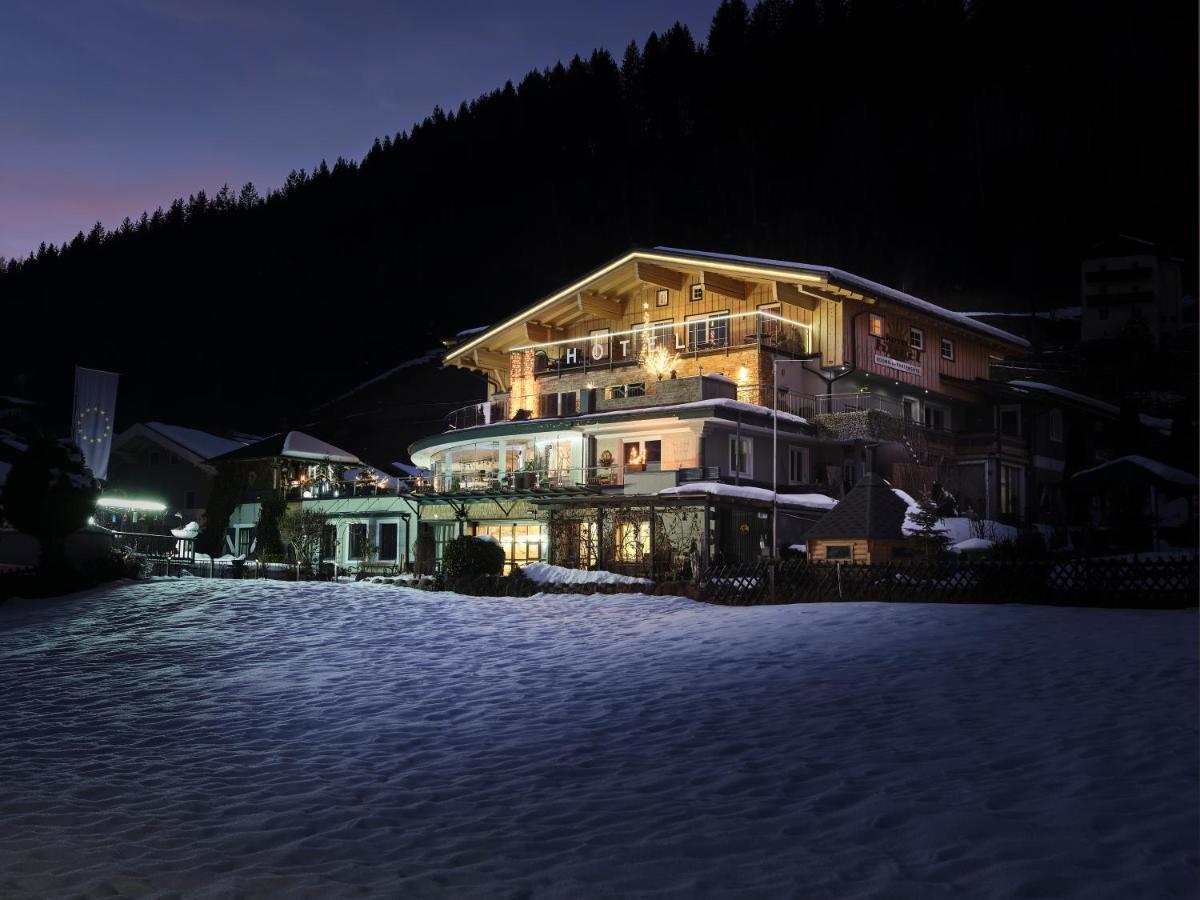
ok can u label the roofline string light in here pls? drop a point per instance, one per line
(639, 329)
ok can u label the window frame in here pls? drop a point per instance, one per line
(379, 540)
(875, 325)
(948, 343)
(919, 335)
(735, 457)
(720, 316)
(697, 292)
(350, 533)
(1001, 409)
(805, 456)
(1054, 425)
(844, 551)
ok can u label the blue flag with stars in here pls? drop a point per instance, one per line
(95, 413)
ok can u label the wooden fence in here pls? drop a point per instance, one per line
(1077, 582)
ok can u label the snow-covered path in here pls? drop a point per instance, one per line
(217, 738)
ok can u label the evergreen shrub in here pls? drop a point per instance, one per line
(468, 556)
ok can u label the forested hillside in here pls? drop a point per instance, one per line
(970, 155)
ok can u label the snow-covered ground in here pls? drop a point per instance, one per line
(218, 738)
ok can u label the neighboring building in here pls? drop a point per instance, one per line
(168, 463)
(1131, 284)
(867, 526)
(368, 509)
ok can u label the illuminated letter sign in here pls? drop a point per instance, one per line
(572, 356)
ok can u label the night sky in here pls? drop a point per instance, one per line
(118, 107)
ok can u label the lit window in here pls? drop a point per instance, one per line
(916, 338)
(877, 326)
(947, 348)
(708, 332)
(633, 540)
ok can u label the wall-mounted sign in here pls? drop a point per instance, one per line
(895, 352)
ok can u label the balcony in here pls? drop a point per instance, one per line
(701, 335)
(489, 481)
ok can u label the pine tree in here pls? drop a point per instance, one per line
(929, 534)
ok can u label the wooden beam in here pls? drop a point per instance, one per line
(661, 276)
(789, 293)
(726, 286)
(490, 359)
(537, 333)
(595, 305)
(836, 295)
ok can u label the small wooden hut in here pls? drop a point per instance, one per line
(865, 527)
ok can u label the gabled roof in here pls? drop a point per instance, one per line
(292, 445)
(190, 444)
(871, 511)
(801, 274)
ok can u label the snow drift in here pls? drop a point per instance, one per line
(221, 738)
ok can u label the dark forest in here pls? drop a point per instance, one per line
(970, 155)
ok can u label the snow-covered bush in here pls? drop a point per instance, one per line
(468, 556)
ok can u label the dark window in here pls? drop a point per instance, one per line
(616, 392)
(849, 475)
(837, 551)
(328, 541)
(388, 532)
(245, 541)
(1010, 420)
(947, 348)
(916, 338)
(653, 452)
(358, 540)
(636, 390)
(189, 500)
(697, 292)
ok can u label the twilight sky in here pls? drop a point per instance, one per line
(117, 107)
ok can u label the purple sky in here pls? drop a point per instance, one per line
(117, 107)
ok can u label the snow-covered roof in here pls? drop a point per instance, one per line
(747, 492)
(864, 284)
(293, 445)
(298, 445)
(410, 470)
(203, 444)
(1159, 470)
(1112, 409)
(381, 478)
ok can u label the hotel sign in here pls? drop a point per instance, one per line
(893, 352)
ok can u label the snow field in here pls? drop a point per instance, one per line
(221, 738)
